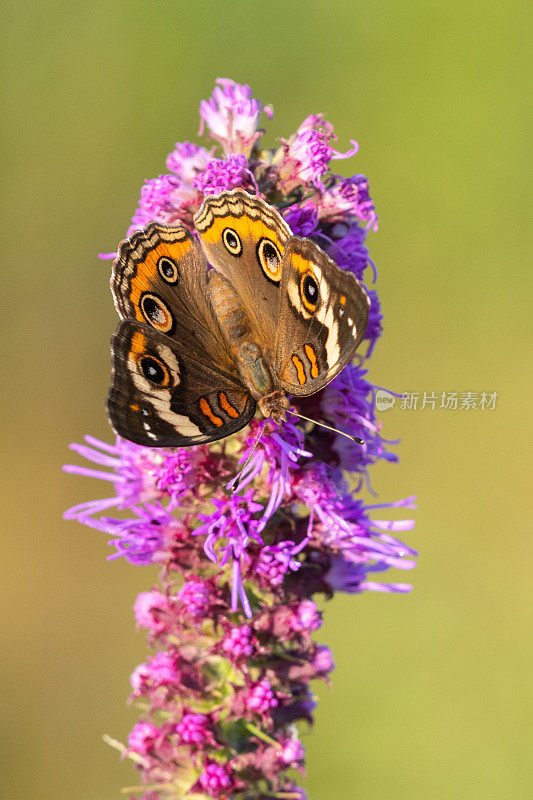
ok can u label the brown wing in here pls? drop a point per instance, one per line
(244, 239)
(322, 319)
(159, 278)
(167, 393)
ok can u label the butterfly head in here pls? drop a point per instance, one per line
(274, 405)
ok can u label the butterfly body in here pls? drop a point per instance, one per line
(249, 359)
(209, 332)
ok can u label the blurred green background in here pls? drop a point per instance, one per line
(432, 692)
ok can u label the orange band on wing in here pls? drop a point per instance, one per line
(138, 344)
(311, 355)
(226, 405)
(244, 226)
(207, 411)
(300, 263)
(146, 273)
(299, 369)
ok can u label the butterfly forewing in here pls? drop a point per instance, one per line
(244, 238)
(322, 319)
(159, 277)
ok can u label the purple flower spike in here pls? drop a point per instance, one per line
(249, 531)
(166, 199)
(348, 249)
(279, 456)
(139, 542)
(323, 661)
(307, 617)
(233, 522)
(131, 468)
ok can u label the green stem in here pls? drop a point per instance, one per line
(123, 750)
(264, 736)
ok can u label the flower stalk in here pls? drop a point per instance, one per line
(248, 532)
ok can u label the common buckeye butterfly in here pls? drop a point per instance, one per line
(209, 331)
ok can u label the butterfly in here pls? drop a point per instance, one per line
(245, 317)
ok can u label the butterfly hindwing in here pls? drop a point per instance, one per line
(168, 393)
(244, 238)
(322, 318)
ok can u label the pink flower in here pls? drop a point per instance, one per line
(150, 609)
(232, 116)
(238, 642)
(187, 160)
(307, 617)
(228, 173)
(143, 737)
(261, 699)
(161, 669)
(292, 752)
(307, 154)
(166, 199)
(276, 560)
(323, 660)
(216, 779)
(348, 196)
(195, 729)
(195, 596)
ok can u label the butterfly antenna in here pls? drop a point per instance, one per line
(254, 446)
(329, 427)
(250, 454)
